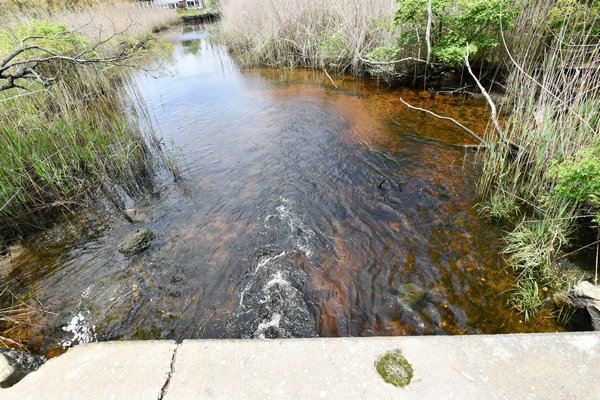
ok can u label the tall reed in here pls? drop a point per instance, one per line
(62, 144)
(332, 34)
(553, 109)
(76, 140)
(93, 19)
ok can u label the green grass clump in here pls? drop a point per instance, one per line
(394, 369)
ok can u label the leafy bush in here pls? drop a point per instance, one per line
(576, 14)
(578, 179)
(458, 23)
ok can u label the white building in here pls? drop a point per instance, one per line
(179, 3)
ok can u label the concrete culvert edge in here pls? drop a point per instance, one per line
(394, 368)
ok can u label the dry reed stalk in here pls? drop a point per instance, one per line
(332, 34)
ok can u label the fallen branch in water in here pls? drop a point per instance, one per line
(455, 122)
(394, 61)
(332, 82)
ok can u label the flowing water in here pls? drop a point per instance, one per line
(304, 210)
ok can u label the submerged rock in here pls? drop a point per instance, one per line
(136, 242)
(15, 364)
(411, 292)
(585, 297)
(135, 215)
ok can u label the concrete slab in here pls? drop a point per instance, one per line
(110, 370)
(531, 366)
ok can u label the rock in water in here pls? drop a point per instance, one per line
(586, 296)
(411, 293)
(135, 215)
(15, 364)
(136, 242)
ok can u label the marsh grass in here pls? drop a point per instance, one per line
(552, 110)
(331, 34)
(64, 145)
(78, 140)
(92, 18)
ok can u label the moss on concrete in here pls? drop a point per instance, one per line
(394, 369)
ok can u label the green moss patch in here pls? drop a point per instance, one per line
(394, 368)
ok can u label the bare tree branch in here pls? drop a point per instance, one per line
(428, 30)
(455, 122)
(15, 68)
(331, 80)
(392, 62)
(493, 113)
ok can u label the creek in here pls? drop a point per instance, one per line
(304, 210)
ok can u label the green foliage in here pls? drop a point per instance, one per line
(458, 23)
(578, 179)
(333, 45)
(212, 4)
(53, 36)
(574, 14)
(193, 12)
(383, 53)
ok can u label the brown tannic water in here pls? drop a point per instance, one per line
(304, 211)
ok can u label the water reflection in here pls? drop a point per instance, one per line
(304, 211)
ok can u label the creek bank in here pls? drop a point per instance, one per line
(210, 16)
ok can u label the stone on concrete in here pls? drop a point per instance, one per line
(536, 366)
(6, 370)
(21, 363)
(111, 370)
(587, 296)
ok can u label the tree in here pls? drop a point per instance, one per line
(456, 24)
(37, 53)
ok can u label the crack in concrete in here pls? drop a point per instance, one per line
(165, 387)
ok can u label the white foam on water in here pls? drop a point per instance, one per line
(294, 223)
(262, 328)
(262, 262)
(80, 330)
(276, 279)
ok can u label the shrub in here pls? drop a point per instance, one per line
(458, 23)
(578, 179)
